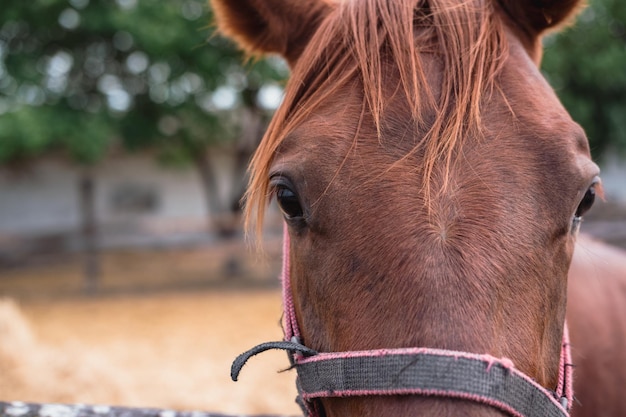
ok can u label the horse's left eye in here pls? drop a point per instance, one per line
(288, 202)
(587, 202)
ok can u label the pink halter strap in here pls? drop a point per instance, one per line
(290, 324)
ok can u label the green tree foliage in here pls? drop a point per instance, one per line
(586, 64)
(81, 75)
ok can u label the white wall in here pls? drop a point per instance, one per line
(45, 198)
(41, 200)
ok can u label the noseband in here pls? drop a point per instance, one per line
(412, 371)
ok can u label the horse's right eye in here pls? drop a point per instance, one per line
(288, 202)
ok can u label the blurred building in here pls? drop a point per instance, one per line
(137, 203)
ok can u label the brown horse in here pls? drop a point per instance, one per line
(432, 186)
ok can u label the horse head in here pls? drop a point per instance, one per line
(430, 180)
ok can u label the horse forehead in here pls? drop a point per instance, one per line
(524, 105)
(329, 129)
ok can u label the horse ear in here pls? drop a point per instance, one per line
(536, 17)
(533, 18)
(270, 26)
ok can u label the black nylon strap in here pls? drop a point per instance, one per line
(291, 347)
(431, 374)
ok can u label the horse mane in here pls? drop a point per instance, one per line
(360, 39)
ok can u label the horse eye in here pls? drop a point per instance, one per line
(587, 202)
(288, 202)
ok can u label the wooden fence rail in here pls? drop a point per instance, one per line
(20, 409)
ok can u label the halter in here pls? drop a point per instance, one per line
(479, 378)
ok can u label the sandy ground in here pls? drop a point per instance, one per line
(162, 333)
(168, 351)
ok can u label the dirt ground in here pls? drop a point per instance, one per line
(143, 344)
